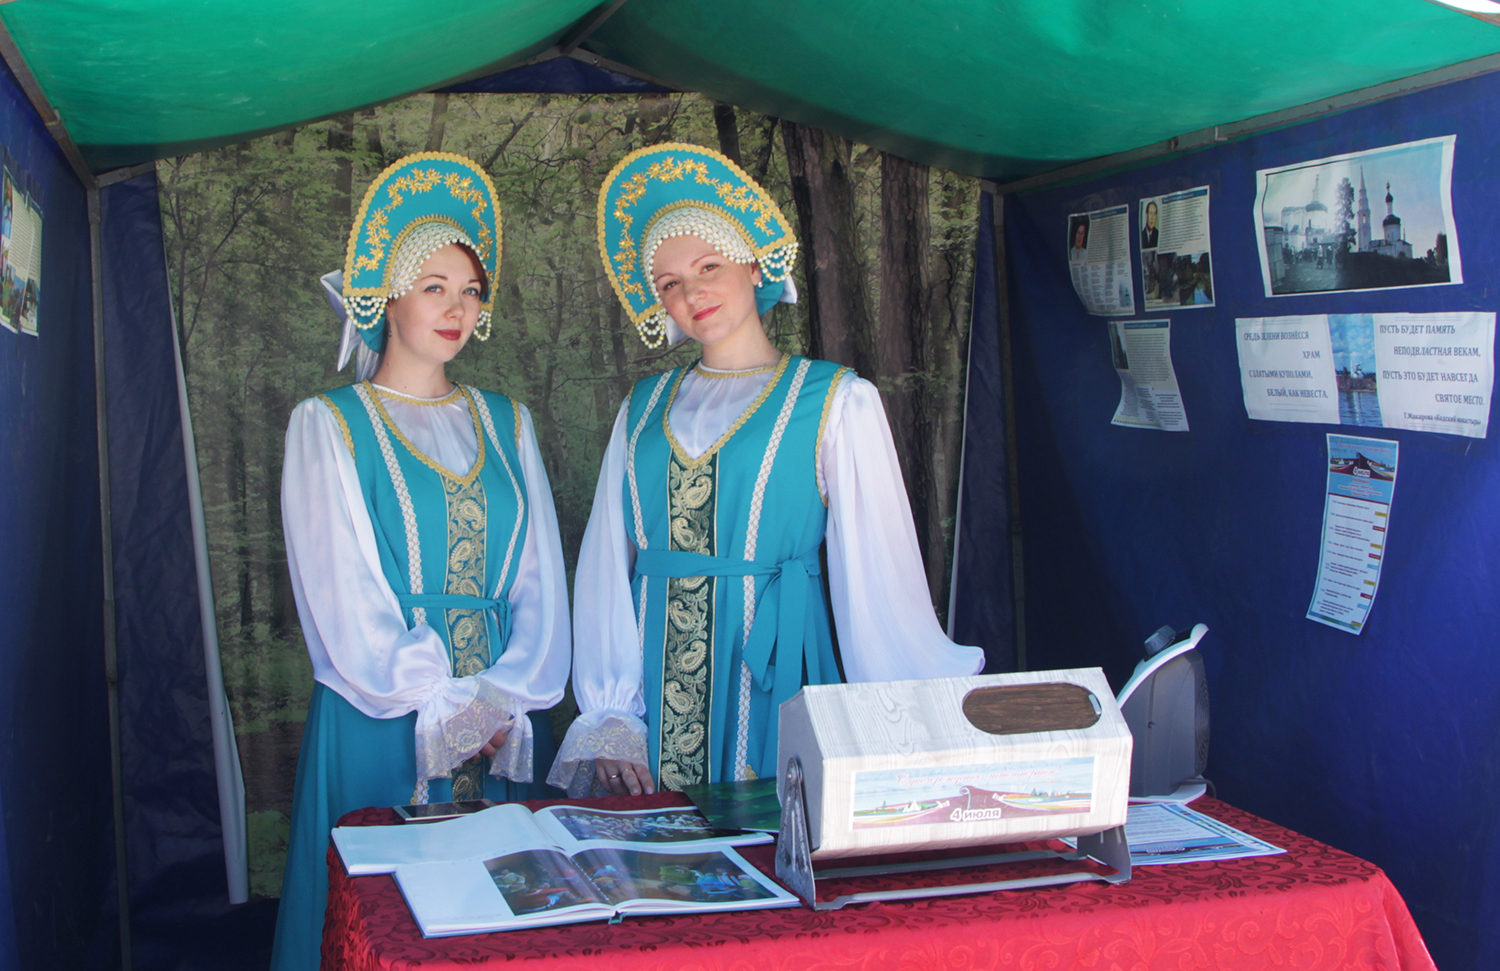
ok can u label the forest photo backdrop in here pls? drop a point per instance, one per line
(885, 274)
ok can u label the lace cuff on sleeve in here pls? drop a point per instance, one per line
(513, 761)
(614, 736)
(442, 743)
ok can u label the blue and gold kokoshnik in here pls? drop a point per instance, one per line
(660, 182)
(416, 206)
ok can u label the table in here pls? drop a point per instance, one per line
(1313, 908)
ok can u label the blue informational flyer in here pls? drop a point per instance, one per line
(1356, 517)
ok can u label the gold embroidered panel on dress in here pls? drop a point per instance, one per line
(468, 779)
(468, 637)
(687, 659)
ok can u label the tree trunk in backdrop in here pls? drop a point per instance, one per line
(341, 146)
(439, 123)
(905, 330)
(729, 132)
(950, 280)
(838, 303)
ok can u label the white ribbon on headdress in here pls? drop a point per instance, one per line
(366, 361)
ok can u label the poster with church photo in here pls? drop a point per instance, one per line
(1373, 220)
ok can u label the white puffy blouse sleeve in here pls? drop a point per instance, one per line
(356, 635)
(607, 675)
(886, 625)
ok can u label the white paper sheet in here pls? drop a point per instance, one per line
(1176, 257)
(1141, 351)
(32, 292)
(1099, 260)
(491, 832)
(1371, 220)
(1163, 833)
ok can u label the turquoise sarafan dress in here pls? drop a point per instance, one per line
(728, 588)
(449, 548)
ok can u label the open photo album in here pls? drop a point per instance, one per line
(506, 868)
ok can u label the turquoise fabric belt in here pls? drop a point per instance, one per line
(498, 610)
(450, 601)
(784, 644)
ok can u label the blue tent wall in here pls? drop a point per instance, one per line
(1386, 744)
(54, 742)
(56, 832)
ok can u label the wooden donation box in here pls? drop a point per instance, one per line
(905, 766)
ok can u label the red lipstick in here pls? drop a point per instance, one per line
(704, 313)
(450, 335)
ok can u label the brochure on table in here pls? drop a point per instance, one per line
(1356, 517)
(503, 829)
(1163, 833)
(507, 868)
(749, 804)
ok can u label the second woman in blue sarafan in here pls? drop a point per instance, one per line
(700, 603)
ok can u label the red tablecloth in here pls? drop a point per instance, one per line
(1313, 908)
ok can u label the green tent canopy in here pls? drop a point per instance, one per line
(998, 88)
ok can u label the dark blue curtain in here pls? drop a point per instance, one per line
(983, 605)
(560, 75)
(177, 878)
(1386, 744)
(56, 859)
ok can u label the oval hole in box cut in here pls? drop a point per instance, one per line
(1016, 709)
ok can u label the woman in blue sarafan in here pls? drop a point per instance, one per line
(421, 539)
(700, 600)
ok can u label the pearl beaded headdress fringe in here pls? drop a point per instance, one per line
(675, 189)
(419, 243)
(705, 224)
(717, 232)
(413, 208)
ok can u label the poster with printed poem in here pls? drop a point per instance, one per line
(1423, 372)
